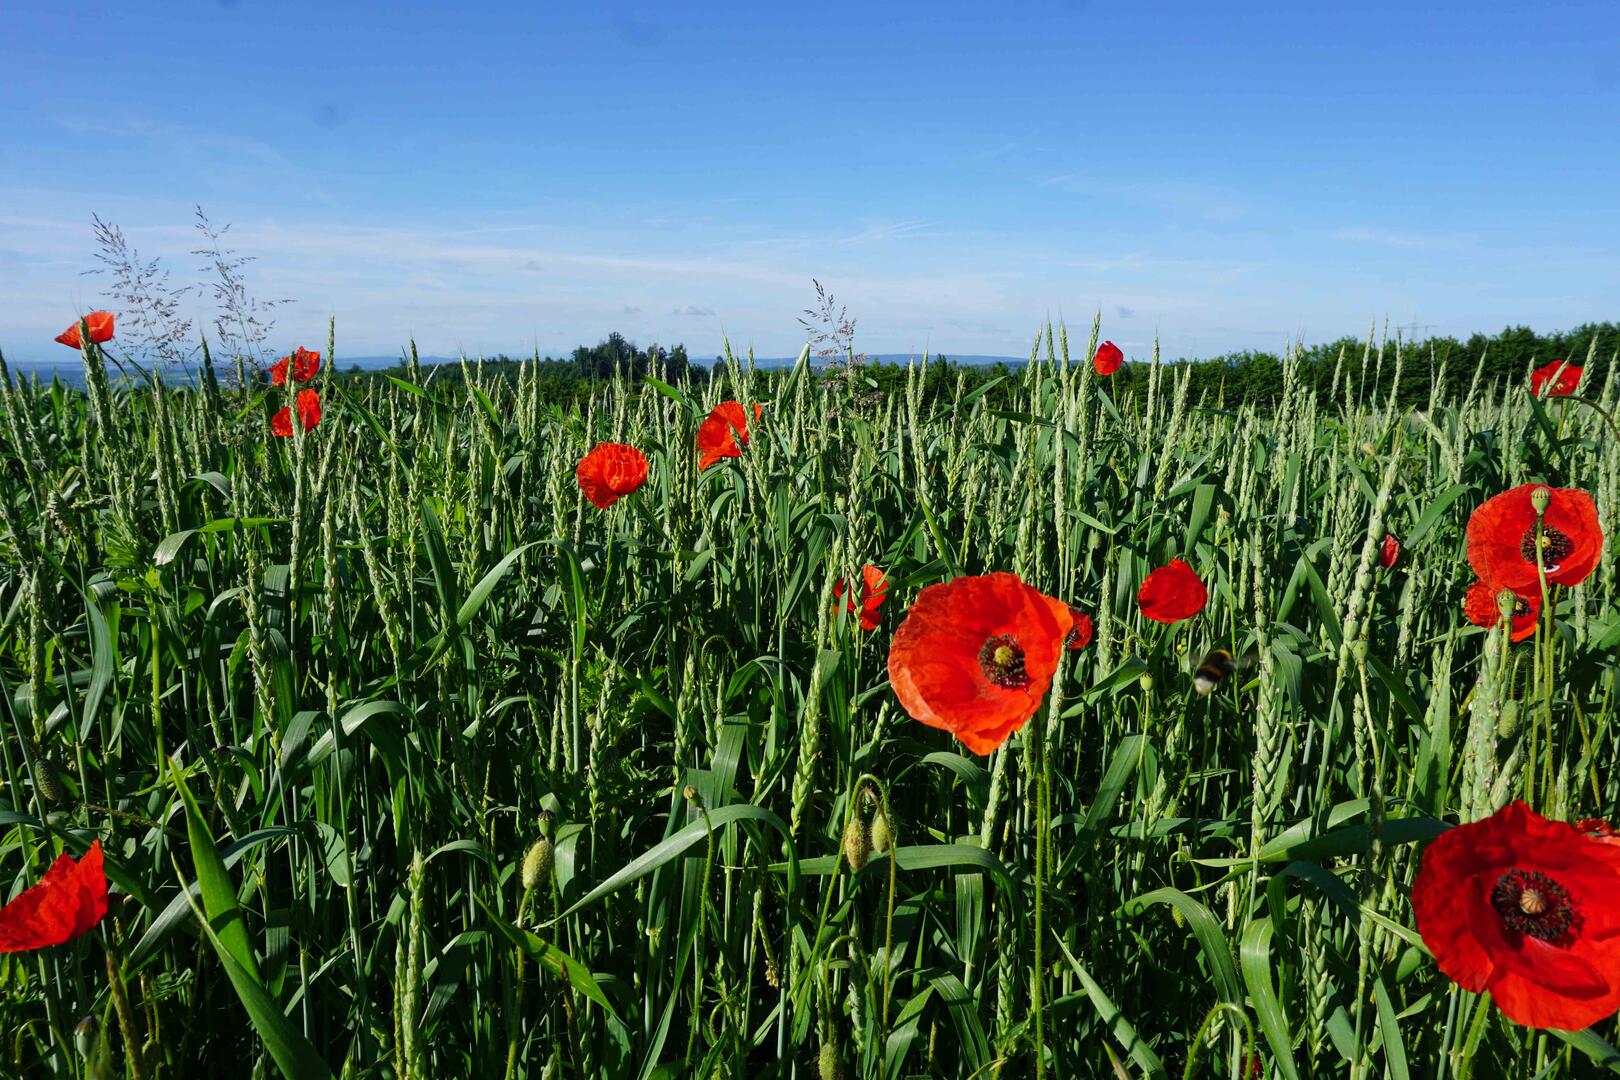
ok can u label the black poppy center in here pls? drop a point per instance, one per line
(1555, 547)
(1003, 662)
(1531, 903)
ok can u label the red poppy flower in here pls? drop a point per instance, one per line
(1080, 633)
(309, 414)
(101, 329)
(609, 471)
(1555, 379)
(723, 433)
(67, 903)
(304, 365)
(1390, 552)
(1108, 358)
(874, 590)
(974, 656)
(1528, 910)
(1172, 593)
(1480, 605)
(1502, 537)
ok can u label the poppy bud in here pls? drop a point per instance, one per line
(829, 1066)
(48, 782)
(1508, 722)
(857, 843)
(537, 864)
(882, 834)
(1507, 603)
(84, 1038)
(1539, 498)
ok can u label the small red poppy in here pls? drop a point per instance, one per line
(101, 329)
(67, 903)
(309, 414)
(609, 471)
(874, 590)
(1480, 605)
(1172, 593)
(1528, 910)
(723, 433)
(1108, 358)
(1502, 537)
(304, 365)
(1081, 632)
(1555, 379)
(1390, 552)
(975, 656)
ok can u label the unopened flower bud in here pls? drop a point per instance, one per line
(829, 1065)
(857, 843)
(1508, 722)
(1539, 498)
(537, 864)
(882, 834)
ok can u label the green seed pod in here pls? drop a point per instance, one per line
(1507, 603)
(1145, 681)
(1539, 499)
(830, 1066)
(537, 864)
(548, 825)
(84, 1038)
(1508, 721)
(857, 843)
(882, 833)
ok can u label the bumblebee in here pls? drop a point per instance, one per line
(1215, 667)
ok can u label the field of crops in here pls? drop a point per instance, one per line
(406, 759)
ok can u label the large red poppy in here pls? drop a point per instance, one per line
(1172, 593)
(1555, 379)
(1527, 910)
(609, 471)
(1480, 605)
(67, 903)
(1502, 537)
(1390, 552)
(1108, 358)
(723, 433)
(101, 329)
(309, 414)
(304, 365)
(874, 590)
(975, 656)
(1081, 632)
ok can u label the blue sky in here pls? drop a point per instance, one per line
(513, 175)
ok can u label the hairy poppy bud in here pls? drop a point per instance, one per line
(882, 834)
(1508, 722)
(537, 864)
(857, 843)
(1539, 498)
(48, 782)
(830, 1066)
(1507, 603)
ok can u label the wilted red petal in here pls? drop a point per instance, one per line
(67, 903)
(1390, 552)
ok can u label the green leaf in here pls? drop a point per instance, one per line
(486, 585)
(218, 892)
(1254, 957)
(551, 958)
(1205, 929)
(1110, 1015)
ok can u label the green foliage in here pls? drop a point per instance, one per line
(318, 697)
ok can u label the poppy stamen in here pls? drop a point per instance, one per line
(1533, 904)
(1003, 662)
(1555, 547)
